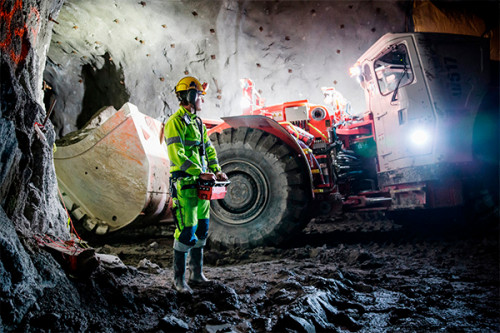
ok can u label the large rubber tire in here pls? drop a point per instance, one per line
(268, 198)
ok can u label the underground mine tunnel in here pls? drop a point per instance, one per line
(360, 139)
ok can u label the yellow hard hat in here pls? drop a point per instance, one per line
(188, 83)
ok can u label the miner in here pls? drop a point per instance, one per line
(192, 157)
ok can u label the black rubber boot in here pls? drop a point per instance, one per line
(196, 266)
(179, 272)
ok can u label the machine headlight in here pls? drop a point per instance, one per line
(420, 137)
(318, 114)
(355, 71)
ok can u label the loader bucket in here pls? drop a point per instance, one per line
(116, 172)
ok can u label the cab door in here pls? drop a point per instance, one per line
(402, 109)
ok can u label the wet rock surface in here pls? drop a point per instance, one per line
(363, 277)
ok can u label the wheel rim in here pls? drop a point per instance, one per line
(246, 196)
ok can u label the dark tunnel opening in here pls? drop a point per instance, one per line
(102, 87)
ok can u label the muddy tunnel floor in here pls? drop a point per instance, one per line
(338, 275)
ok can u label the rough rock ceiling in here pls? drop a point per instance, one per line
(110, 52)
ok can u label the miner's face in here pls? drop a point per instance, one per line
(199, 101)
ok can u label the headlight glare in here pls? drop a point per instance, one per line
(420, 137)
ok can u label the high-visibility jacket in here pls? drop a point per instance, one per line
(184, 141)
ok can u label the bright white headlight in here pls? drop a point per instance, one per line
(420, 137)
(354, 71)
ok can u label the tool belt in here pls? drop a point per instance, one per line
(206, 189)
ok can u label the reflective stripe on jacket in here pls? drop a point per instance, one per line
(183, 140)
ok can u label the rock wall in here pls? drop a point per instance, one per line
(26, 274)
(27, 180)
(110, 52)
(28, 191)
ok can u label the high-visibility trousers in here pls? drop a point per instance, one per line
(191, 215)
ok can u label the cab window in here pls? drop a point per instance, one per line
(393, 69)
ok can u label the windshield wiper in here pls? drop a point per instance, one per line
(405, 70)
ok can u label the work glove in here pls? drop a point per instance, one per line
(221, 176)
(207, 176)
